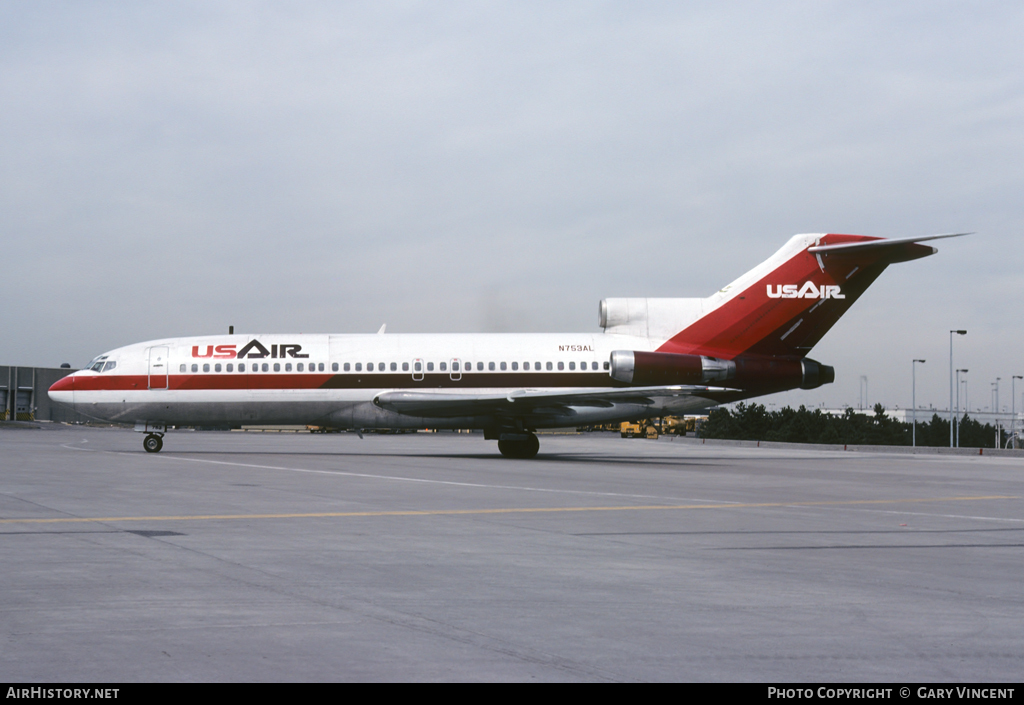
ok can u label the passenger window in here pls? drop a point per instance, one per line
(455, 366)
(394, 367)
(593, 365)
(334, 367)
(277, 367)
(321, 367)
(206, 367)
(359, 367)
(515, 366)
(549, 367)
(536, 366)
(468, 366)
(369, 367)
(430, 367)
(299, 367)
(561, 365)
(480, 366)
(504, 367)
(348, 367)
(444, 366)
(195, 367)
(231, 367)
(241, 367)
(216, 368)
(417, 366)
(405, 367)
(572, 366)
(287, 367)
(266, 367)
(490, 366)
(181, 368)
(606, 364)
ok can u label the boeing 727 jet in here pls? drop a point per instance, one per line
(655, 357)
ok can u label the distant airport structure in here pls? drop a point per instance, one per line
(23, 395)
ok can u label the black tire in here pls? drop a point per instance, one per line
(153, 443)
(523, 450)
(531, 447)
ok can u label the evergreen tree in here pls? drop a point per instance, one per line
(755, 423)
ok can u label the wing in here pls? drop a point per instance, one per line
(530, 402)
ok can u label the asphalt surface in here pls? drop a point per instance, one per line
(298, 557)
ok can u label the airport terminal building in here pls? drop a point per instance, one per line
(23, 395)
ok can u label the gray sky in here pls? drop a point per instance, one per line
(174, 168)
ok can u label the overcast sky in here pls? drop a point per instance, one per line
(174, 168)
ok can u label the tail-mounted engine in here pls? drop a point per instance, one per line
(755, 373)
(765, 375)
(653, 368)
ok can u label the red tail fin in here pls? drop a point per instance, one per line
(784, 306)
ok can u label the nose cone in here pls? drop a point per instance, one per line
(63, 390)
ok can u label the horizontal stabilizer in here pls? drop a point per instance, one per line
(864, 245)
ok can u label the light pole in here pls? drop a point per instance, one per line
(995, 408)
(913, 402)
(958, 417)
(958, 332)
(1013, 409)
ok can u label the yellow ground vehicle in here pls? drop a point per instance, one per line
(669, 425)
(679, 425)
(638, 429)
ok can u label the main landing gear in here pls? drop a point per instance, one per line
(153, 442)
(518, 445)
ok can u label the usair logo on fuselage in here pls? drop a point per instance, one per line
(253, 349)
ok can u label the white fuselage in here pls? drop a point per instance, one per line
(332, 380)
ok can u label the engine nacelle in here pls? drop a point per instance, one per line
(816, 374)
(758, 374)
(768, 374)
(654, 368)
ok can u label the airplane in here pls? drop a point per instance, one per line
(655, 357)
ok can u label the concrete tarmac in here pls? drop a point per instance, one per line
(428, 557)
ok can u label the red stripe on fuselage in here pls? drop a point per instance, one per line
(201, 382)
(109, 382)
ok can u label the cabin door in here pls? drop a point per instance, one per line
(158, 367)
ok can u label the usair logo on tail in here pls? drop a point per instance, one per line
(807, 291)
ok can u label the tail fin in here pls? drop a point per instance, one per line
(785, 305)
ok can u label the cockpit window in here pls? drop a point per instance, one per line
(97, 364)
(109, 365)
